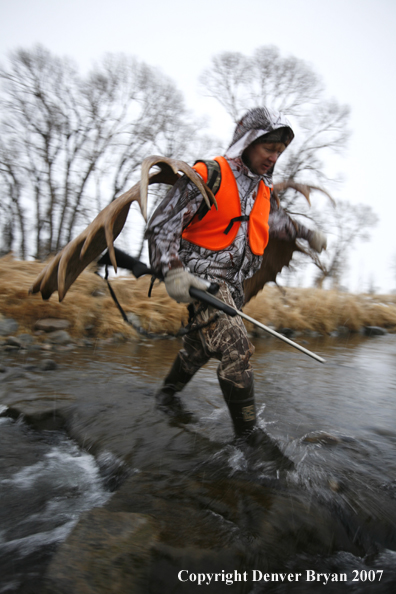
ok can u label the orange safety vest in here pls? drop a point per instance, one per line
(218, 228)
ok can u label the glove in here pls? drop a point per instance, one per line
(178, 282)
(318, 241)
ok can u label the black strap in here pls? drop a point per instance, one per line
(191, 327)
(235, 220)
(122, 312)
(214, 181)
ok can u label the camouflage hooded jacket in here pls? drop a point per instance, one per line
(167, 248)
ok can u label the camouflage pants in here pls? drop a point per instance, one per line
(225, 339)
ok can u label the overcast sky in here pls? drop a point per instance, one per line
(350, 43)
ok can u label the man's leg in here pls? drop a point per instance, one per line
(228, 341)
(241, 405)
(188, 361)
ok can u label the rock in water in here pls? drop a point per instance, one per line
(105, 553)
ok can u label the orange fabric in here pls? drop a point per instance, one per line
(209, 232)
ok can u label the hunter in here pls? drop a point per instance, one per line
(190, 245)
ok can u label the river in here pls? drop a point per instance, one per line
(87, 435)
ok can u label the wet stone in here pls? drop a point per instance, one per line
(106, 552)
(374, 331)
(51, 324)
(26, 339)
(288, 332)
(48, 365)
(30, 367)
(322, 438)
(64, 348)
(59, 337)
(8, 326)
(14, 341)
(11, 347)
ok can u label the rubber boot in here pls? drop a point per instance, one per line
(167, 401)
(240, 402)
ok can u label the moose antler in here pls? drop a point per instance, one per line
(279, 252)
(63, 270)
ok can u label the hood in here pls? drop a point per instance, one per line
(255, 123)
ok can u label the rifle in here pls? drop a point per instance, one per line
(138, 269)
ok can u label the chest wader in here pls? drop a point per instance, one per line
(166, 399)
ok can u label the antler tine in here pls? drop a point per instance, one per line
(110, 245)
(319, 189)
(45, 282)
(304, 189)
(170, 173)
(147, 164)
(68, 267)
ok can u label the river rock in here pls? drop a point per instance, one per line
(105, 553)
(374, 331)
(14, 341)
(8, 326)
(11, 347)
(322, 438)
(51, 324)
(48, 365)
(288, 332)
(59, 337)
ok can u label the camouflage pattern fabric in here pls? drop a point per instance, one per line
(225, 339)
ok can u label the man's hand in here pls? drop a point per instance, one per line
(178, 282)
(318, 241)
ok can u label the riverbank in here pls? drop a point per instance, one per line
(88, 312)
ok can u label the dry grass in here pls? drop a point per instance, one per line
(322, 311)
(88, 303)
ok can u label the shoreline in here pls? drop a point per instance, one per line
(88, 312)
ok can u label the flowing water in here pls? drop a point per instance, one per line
(71, 437)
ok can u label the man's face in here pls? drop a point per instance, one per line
(260, 158)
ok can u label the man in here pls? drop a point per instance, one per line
(190, 246)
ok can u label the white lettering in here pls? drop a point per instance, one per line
(180, 577)
(326, 577)
(311, 575)
(257, 575)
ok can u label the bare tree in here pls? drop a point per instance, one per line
(11, 207)
(347, 224)
(64, 135)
